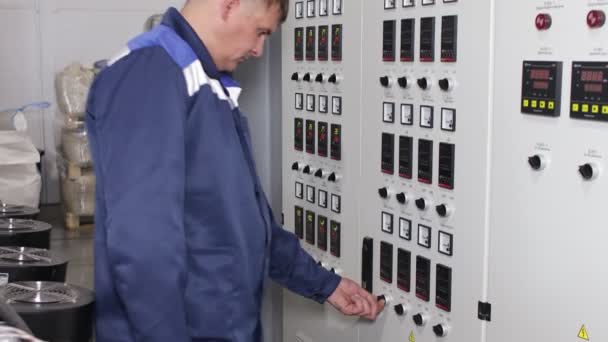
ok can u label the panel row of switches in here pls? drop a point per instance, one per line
(424, 83)
(316, 172)
(319, 78)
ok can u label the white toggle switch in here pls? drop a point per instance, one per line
(407, 114)
(448, 119)
(322, 198)
(426, 116)
(336, 206)
(424, 236)
(299, 190)
(387, 222)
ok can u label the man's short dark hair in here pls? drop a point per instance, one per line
(283, 7)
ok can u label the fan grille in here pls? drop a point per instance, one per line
(25, 255)
(39, 293)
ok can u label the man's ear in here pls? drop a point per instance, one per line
(228, 8)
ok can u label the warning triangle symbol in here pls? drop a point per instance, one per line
(582, 334)
(412, 338)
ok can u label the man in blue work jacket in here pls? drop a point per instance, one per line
(184, 234)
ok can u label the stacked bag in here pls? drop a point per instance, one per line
(74, 159)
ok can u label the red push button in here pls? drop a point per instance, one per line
(596, 18)
(543, 21)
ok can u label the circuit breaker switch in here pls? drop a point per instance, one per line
(440, 330)
(419, 319)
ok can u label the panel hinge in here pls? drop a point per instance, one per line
(484, 311)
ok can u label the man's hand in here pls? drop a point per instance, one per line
(352, 300)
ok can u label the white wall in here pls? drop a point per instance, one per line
(38, 38)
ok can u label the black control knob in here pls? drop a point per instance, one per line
(440, 330)
(319, 173)
(588, 171)
(445, 84)
(295, 166)
(423, 83)
(419, 319)
(399, 309)
(402, 82)
(535, 162)
(295, 76)
(307, 170)
(421, 203)
(332, 177)
(442, 210)
(385, 81)
(334, 79)
(306, 77)
(320, 78)
(401, 198)
(383, 192)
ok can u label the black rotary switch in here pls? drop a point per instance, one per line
(332, 177)
(444, 84)
(587, 171)
(319, 173)
(402, 82)
(382, 297)
(295, 166)
(401, 198)
(399, 309)
(383, 192)
(423, 83)
(306, 77)
(421, 203)
(320, 78)
(295, 76)
(535, 162)
(439, 330)
(385, 81)
(306, 170)
(418, 319)
(333, 79)
(442, 210)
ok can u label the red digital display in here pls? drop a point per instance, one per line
(540, 85)
(593, 88)
(592, 76)
(540, 74)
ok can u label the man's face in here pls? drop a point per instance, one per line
(248, 24)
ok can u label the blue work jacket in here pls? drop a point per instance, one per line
(184, 235)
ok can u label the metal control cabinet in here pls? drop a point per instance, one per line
(547, 274)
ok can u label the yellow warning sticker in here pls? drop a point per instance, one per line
(582, 334)
(412, 338)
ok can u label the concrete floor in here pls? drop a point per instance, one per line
(77, 245)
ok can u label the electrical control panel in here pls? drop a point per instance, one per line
(451, 156)
(548, 182)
